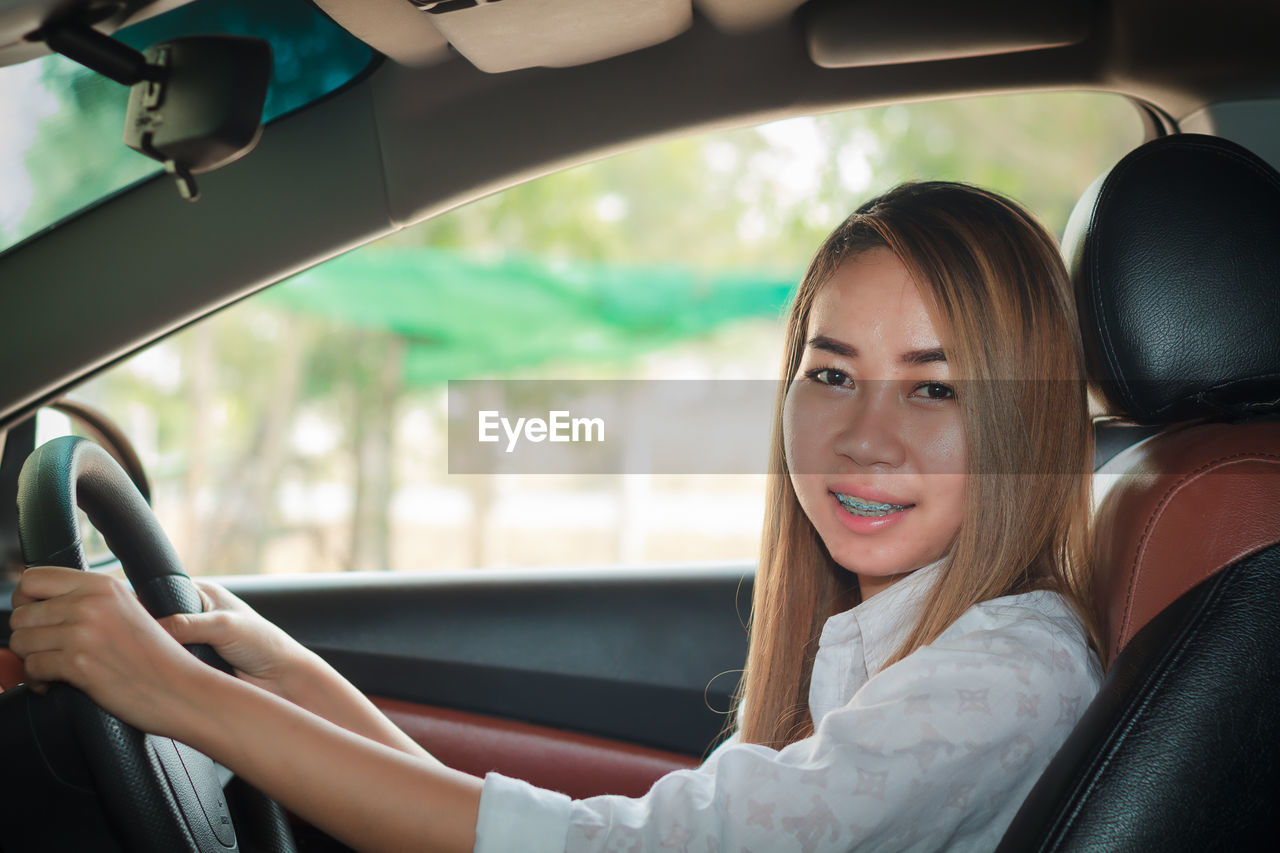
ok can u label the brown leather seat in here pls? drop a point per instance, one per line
(1176, 258)
(1183, 506)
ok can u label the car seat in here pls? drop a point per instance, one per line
(1175, 256)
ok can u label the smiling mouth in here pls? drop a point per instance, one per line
(868, 509)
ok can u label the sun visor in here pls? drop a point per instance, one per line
(852, 34)
(505, 35)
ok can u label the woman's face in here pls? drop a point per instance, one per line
(873, 432)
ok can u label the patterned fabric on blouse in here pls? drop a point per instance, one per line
(936, 752)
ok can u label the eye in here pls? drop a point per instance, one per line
(935, 391)
(830, 376)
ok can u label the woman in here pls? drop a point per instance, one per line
(919, 646)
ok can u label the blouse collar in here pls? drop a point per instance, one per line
(883, 621)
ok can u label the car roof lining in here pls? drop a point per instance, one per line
(407, 143)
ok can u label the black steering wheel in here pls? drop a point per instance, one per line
(74, 776)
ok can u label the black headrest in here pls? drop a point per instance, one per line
(1176, 259)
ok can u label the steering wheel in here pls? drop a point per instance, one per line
(76, 777)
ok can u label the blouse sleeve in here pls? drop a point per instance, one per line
(935, 752)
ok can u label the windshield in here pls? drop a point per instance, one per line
(61, 124)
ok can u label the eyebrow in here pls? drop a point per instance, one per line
(913, 357)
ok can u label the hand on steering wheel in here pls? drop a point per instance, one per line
(90, 631)
(153, 795)
(258, 650)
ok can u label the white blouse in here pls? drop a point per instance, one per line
(936, 752)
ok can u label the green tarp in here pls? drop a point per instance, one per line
(463, 317)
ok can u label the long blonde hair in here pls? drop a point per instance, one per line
(997, 280)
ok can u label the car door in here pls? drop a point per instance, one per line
(584, 681)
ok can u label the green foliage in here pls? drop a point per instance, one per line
(460, 317)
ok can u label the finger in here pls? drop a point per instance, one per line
(212, 628)
(206, 601)
(57, 665)
(29, 641)
(35, 584)
(41, 582)
(44, 667)
(183, 627)
(37, 614)
(217, 596)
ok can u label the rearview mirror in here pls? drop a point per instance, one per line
(204, 109)
(195, 103)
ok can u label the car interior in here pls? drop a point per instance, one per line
(600, 680)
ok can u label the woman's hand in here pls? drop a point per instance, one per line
(91, 631)
(264, 655)
(260, 652)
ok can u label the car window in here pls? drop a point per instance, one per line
(309, 428)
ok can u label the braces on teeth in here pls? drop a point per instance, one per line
(858, 506)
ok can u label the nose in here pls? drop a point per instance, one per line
(872, 435)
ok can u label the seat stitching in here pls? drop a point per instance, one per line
(1253, 377)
